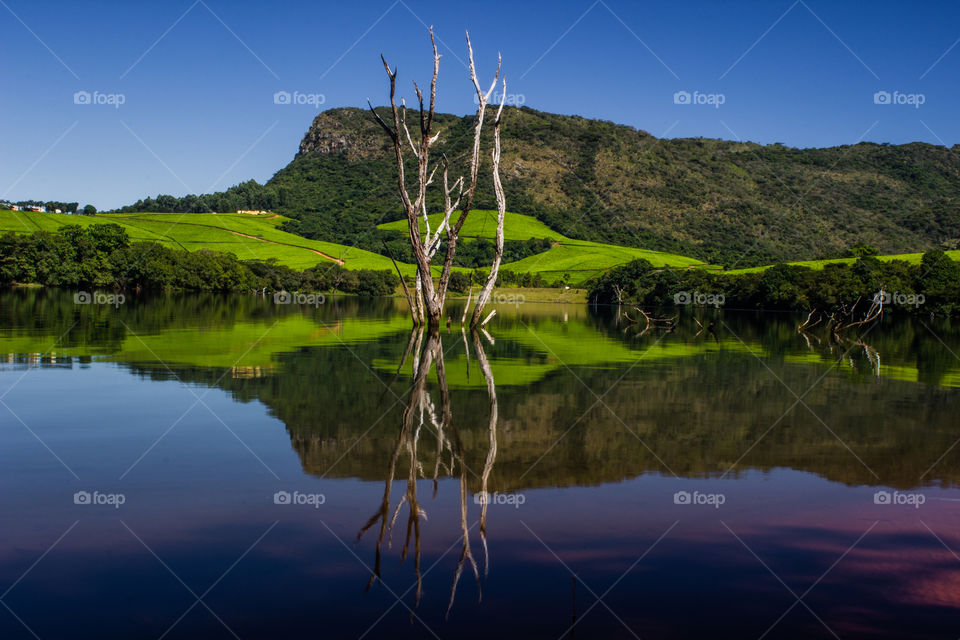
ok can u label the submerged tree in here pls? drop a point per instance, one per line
(428, 298)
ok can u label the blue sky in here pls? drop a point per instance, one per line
(197, 78)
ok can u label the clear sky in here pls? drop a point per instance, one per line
(182, 92)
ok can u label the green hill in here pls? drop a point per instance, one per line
(719, 201)
(483, 224)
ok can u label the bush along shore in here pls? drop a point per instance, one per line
(931, 287)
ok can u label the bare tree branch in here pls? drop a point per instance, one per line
(487, 290)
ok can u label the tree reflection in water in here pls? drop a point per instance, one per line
(419, 415)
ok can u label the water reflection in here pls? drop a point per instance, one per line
(702, 396)
(402, 432)
(420, 417)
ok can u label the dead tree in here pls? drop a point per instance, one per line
(487, 290)
(848, 322)
(807, 324)
(709, 328)
(429, 299)
(652, 321)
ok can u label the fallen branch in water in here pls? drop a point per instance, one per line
(652, 321)
(874, 312)
(709, 328)
(807, 325)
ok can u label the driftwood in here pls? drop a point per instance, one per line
(708, 328)
(837, 323)
(807, 324)
(803, 329)
(874, 312)
(651, 321)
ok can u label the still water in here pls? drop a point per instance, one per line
(225, 467)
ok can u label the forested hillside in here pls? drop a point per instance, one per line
(721, 201)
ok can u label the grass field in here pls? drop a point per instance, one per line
(257, 237)
(912, 258)
(246, 236)
(483, 224)
(580, 259)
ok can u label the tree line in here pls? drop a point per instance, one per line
(246, 195)
(932, 286)
(102, 256)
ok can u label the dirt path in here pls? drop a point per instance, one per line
(284, 244)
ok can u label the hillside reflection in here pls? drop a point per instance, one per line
(876, 410)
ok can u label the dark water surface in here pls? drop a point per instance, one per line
(301, 472)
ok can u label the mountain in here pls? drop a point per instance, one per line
(721, 201)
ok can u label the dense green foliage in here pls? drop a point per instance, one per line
(472, 254)
(931, 286)
(461, 282)
(102, 256)
(246, 195)
(725, 202)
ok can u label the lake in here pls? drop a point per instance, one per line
(209, 466)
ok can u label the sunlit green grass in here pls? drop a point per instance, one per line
(583, 260)
(217, 232)
(222, 232)
(580, 259)
(31, 222)
(258, 237)
(912, 258)
(483, 224)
